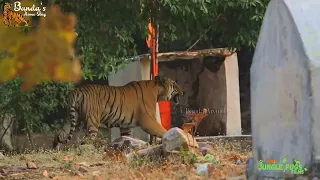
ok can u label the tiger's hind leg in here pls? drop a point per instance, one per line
(92, 130)
(60, 136)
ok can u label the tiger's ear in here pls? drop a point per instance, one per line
(161, 79)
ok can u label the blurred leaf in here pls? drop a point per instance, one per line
(44, 54)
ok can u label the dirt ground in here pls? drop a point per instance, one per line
(88, 162)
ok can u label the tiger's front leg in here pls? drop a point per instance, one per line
(10, 23)
(152, 127)
(5, 22)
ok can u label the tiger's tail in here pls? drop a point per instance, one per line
(73, 122)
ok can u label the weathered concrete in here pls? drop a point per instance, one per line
(135, 71)
(285, 86)
(210, 82)
(233, 97)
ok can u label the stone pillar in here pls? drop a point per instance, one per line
(233, 95)
(285, 89)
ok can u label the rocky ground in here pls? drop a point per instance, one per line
(178, 157)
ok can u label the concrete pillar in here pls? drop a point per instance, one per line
(233, 95)
(285, 88)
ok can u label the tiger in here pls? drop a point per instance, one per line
(9, 17)
(126, 107)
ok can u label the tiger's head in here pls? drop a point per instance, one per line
(7, 6)
(170, 89)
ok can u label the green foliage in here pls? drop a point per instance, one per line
(108, 29)
(230, 23)
(105, 33)
(30, 108)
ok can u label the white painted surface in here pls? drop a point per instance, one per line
(233, 96)
(285, 81)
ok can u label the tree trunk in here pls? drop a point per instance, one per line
(6, 131)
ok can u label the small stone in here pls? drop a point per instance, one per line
(205, 148)
(153, 152)
(78, 173)
(203, 170)
(45, 173)
(83, 169)
(31, 165)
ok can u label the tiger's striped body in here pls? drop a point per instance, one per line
(125, 107)
(11, 18)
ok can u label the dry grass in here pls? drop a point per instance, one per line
(87, 162)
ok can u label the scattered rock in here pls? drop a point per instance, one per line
(14, 170)
(154, 153)
(203, 170)
(236, 159)
(207, 169)
(31, 165)
(45, 173)
(78, 173)
(126, 142)
(205, 148)
(176, 139)
(83, 169)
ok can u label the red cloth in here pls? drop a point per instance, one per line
(165, 114)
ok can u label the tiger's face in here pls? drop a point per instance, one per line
(170, 91)
(7, 6)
